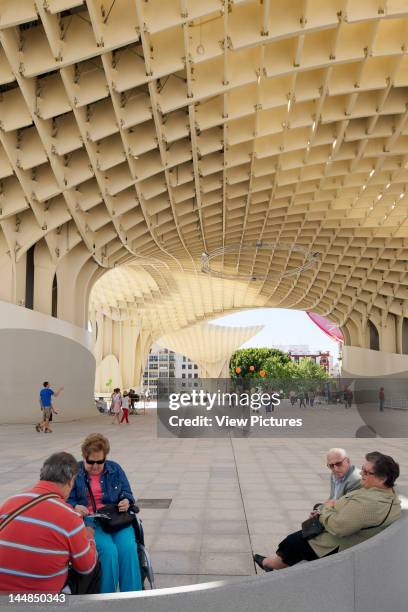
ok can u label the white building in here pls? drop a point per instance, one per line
(164, 363)
(295, 349)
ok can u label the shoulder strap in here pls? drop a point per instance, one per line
(383, 521)
(88, 486)
(25, 507)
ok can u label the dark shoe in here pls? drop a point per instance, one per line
(259, 559)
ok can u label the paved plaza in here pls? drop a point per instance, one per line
(229, 496)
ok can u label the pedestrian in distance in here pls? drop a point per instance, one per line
(46, 395)
(381, 398)
(125, 407)
(348, 397)
(301, 398)
(116, 405)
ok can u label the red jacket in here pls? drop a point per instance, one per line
(36, 546)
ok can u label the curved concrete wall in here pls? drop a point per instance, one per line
(370, 577)
(34, 348)
(366, 362)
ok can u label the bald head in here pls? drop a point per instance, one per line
(338, 462)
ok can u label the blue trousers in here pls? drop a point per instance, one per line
(119, 560)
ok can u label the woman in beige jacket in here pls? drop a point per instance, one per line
(353, 518)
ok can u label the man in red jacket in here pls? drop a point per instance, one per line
(381, 397)
(47, 546)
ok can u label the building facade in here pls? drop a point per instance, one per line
(163, 363)
(322, 358)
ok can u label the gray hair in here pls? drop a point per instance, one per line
(337, 451)
(59, 468)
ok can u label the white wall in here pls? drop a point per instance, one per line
(35, 347)
(365, 362)
(18, 317)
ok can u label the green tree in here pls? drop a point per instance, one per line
(256, 357)
(279, 374)
(310, 375)
(300, 377)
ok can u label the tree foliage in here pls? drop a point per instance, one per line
(256, 358)
(280, 372)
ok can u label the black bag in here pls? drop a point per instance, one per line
(111, 520)
(311, 528)
(109, 517)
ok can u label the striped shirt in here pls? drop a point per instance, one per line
(35, 547)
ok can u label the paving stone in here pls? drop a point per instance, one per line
(166, 581)
(225, 527)
(181, 526)
(227, 563)
(186, 513)
(175, 562)
(180, 542)
(236, 543)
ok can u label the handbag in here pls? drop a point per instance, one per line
(109, 517)
(311, 528)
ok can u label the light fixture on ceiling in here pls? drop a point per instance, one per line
(309, 260)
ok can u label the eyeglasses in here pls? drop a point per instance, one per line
(336, 464)
(367, 472)
(93, 461)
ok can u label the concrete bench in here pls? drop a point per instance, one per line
(370, 577)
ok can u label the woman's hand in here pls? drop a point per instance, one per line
(123, 505)
(81, 510)
(330, 502)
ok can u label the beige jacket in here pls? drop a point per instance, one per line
(351, 482)
(344, 524)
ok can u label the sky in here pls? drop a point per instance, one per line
(281, 327)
